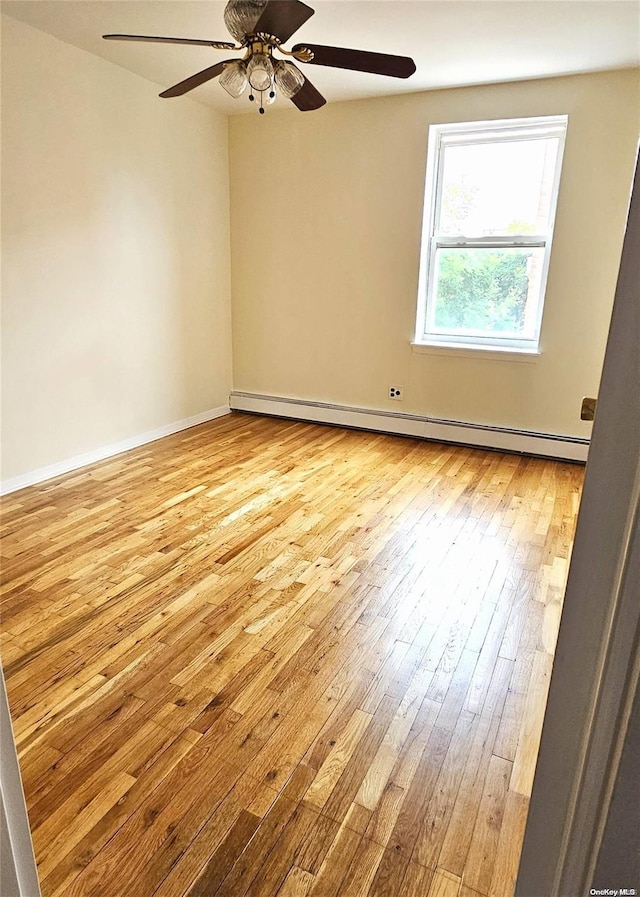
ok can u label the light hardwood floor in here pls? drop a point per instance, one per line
(263, 657)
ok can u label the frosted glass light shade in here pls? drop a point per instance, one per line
(234, 78)
(288, 77)
(241, 16)
(260, 72)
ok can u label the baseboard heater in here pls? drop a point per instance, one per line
(547, 445)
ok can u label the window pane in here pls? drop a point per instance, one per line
(497, 188)
(487, 292)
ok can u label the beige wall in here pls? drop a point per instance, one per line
(326, 212)
(115, 249)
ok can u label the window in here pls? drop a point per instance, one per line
(490, 204)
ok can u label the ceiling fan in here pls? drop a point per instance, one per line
(260, 27)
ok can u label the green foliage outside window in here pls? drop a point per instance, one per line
(482, 290)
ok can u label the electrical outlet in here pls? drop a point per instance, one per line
(395, 393)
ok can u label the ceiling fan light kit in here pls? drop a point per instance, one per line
(260, 71)
(260, 27)
(234, 78)
(289, 78)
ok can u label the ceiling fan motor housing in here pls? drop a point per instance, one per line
(241, 17)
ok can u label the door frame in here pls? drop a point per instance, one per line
(595, 672)
(18, 874)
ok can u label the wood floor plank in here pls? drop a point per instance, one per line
(481, 858)
(149, 827)
(341, 752)
(297, 883)
(67, 870)
(420, 791)
(331, 873)
(524, 763)
(263, 657)
(417, 880)
(443, 884)
(362, 869)
(274, 871)
(222, 860)
(439, 809)
(465, 807)
(509, 845)
(395, 737)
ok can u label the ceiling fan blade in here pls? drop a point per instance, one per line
(360, 60)
(308, 98)
(282, 18)
(217, 44)
(195, 80)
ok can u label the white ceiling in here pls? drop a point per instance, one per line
(453, 42)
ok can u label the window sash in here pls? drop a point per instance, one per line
(493, 242)
(436, 335)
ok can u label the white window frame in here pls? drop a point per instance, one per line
(459, 134)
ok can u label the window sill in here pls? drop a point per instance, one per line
(470, 351)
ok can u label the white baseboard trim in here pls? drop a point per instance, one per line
(107, 451)
(566, 448)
